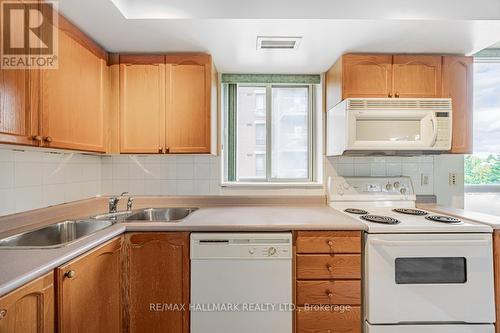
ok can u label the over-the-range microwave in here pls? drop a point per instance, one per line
(390, 125)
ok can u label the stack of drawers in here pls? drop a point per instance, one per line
(328, 281)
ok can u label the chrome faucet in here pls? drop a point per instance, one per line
(130, 201)
(113, 202)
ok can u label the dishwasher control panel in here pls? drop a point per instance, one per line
(241, 245)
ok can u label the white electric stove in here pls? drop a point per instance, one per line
(424, 272)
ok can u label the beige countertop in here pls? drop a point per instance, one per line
(21, 266)
(491, 220)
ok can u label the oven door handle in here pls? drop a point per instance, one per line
(381, 242)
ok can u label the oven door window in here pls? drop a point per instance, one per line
(431, 270)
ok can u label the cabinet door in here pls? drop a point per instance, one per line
(73, 99)
(365, 75)
(158, 272)
(89, 291)
(19, 106)
(457, 85)
(142, 104)
(29, 309)
(188, 103)
(416, 76)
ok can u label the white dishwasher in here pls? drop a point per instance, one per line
(241, 282)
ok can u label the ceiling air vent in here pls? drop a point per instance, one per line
(281, 43)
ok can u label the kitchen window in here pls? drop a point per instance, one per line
(482, 169)
(269, 132)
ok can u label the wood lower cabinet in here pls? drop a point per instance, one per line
(333, 319)
(457, 85)
(156, 276)
(416, 76)
(30, 308)
(327, 281)
(72, 99)
(496, 268)
(89, 291)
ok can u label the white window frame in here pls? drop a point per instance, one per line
(313, 141)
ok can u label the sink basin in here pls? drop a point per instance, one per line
(160, 214)
(55, 235)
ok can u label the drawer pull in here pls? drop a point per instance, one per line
(71, 274)
(329, 268)
(3, 313)
(329, 294)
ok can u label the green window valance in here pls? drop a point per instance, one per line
(272, 78)
(488, 53)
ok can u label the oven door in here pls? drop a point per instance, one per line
(392, 130)
(425, 278)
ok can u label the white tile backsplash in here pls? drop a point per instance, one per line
(161, 175)
(419, 168)
(34, 179)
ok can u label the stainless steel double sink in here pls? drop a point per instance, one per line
(66, 232)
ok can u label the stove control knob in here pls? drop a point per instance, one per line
(402, 190)
(388, 187)
(271, 251)
(397, 185)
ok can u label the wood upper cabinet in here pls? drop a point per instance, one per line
(72, 98)
(188, 103)
(416, 76)
(366, 75)
(89, 291)
(142, 104)
(19, 107)
(165, 103)
(30, 308)
(457, 85)
(157, 272)
(383, 75)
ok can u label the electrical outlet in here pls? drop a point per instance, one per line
(452, 178)
(424, 179)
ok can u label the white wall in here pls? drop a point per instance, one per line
(34, 179)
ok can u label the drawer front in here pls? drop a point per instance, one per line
(329, 321)
(329, 292)
(328, 242)
(321, 267)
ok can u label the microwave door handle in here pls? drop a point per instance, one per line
(434, 132)
(430, 242)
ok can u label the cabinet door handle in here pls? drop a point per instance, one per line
(389, 95)
(167, 150)
(3, 313)
(36, 138)
(160, 150)
(48, 139)
(396, 94)
(70, 274)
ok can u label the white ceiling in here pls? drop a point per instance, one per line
(227, 29)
